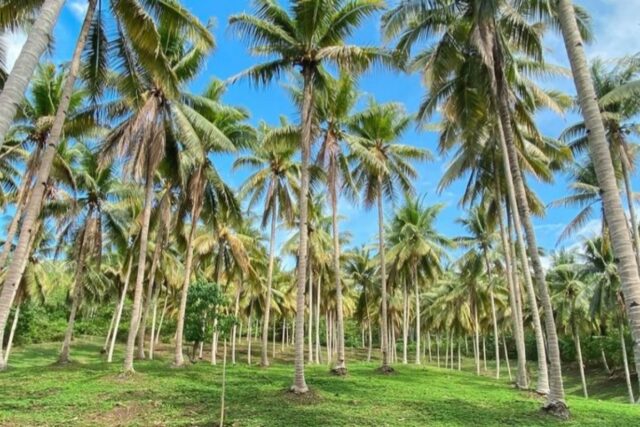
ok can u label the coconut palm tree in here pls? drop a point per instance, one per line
(601, 157)
(416, 247)
(275, 179)
(382, 168)
(308, 36)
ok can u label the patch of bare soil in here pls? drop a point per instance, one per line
(308, 398)
(120, 415)
(386, 370)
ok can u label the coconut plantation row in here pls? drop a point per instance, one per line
(170, 257)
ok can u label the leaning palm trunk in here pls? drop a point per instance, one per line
(142, 257)
(601, 157)
(109, 331)
(341, 367)
(506, 357)
(516, 317)
(625, 362)
(195, 215)
(14, 325)
(123, 297)
(522, 216)
(264, 352)
(156, 340)
(154, 315)
(626, 166)
(41, 30)
(148, 300)
(37, 42)
(300, 385)
(576, 339)
(383, 282)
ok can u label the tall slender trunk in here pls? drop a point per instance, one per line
(341, 367)
(164, 312)
(416, 285)
(514, 298)
(136, 310)
(110, 330)
(383, 280)
(506, 356)
(14, 325)
(249, 326)
(273, 339)
(599, 149)
(10, 97)
(311, 310)
(154, 315)
(264, 357)
(123, 298)
(576, 339)
(284, 334)
(370, 343)
(438, 349)
(328, 334)
(405, 322)
(142, 329)
(429, 346)
(625, 363)
(494, 318)
(484, 352)
(236, 310)
(476, 338)
(195, 216)
(224, 381)
(317, 321)
(300, 385)
(37, 42)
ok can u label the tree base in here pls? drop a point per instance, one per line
(299, 390)
(62, 361)
(339, 370)
(558, 409)
(264, 364)
(386, 370)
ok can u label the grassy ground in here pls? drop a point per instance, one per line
(90, 392)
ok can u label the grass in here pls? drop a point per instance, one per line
(91, 392)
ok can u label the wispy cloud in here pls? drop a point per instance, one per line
(78, 8)
(13, 42)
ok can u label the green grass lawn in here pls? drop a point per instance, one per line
(91, 392)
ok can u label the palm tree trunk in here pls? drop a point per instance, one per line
(476, 338)
(601, 156)
(405, 321)
(37, 42)
(224, 381)
(459, 358)
(110, 330)
(154, 315)
(123, 297)
(438, 349)
(235, 328)
(10, 97)
(327, 327)
(300, 385)
(514, 298)
(264, 357)
(152, 276)
(136, 310)
(14, 325)
(494, 318)
(429, 346)
(273, 338)
(195, 216)
(576, 339)
(317, 321)
(164, 311)
(625, 363)
(370, 343)
(484, 352)
(383, 281)
(506, 357)
(311, 310)
(341, 367)
(284, 335)
(414, 272)
(249, 326)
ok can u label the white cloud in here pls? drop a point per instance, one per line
(79, 8)
(616, 25)
(13, 43)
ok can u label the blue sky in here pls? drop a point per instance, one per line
(616, 24)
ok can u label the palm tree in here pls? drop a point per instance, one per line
(334, 106)
(308, 36)
(275, 179)
(568, 281)
(482, 234)
(382, 169)
(601, 157)
(418, 248)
